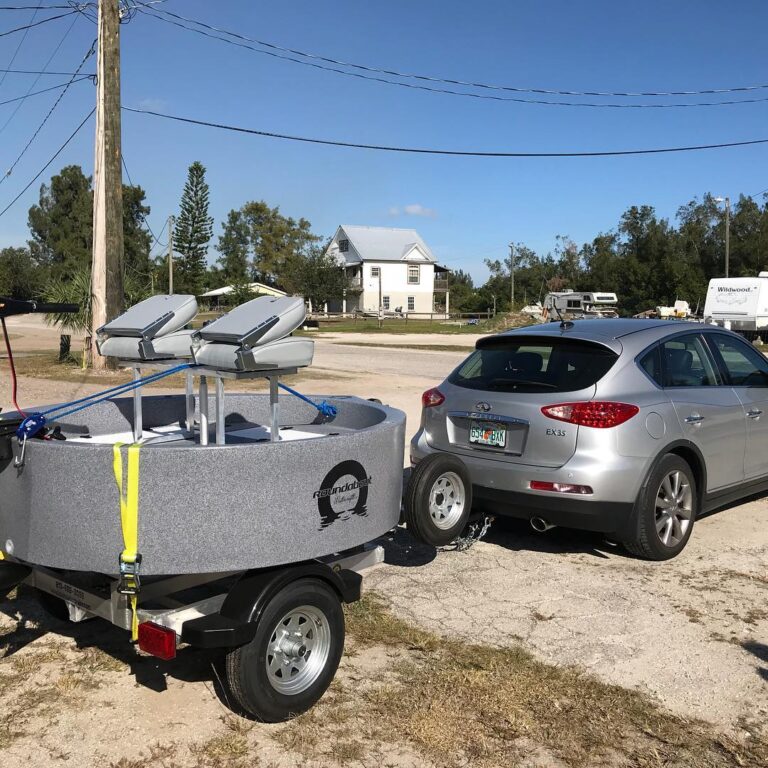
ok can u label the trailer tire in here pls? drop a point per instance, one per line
(294, 654)
(438, 499)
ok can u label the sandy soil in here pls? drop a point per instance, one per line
(692, 632)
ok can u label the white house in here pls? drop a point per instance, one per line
(389, 269)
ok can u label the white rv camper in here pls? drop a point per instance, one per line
(738, 303)
(575, 304)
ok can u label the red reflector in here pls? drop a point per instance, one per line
(432, 397)
(157, 641)
(594, 413)
(541, 485)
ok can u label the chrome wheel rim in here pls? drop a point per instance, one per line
(446, 500)
(298, 650)
(674, 508)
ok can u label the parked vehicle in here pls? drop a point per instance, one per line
(632, 428)
(738, 303)
(575, 304)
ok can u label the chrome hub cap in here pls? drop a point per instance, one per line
(298, 650)
(446, 500)
(674, 508)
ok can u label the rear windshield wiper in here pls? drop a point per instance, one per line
(505, 383)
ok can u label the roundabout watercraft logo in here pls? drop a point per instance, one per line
(343, 493)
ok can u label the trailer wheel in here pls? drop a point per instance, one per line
(294, 655)
(438, 499)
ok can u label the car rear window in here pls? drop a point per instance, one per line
(526, 364)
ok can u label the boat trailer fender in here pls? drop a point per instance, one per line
(236, 622)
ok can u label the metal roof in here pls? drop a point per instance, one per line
(385, 243)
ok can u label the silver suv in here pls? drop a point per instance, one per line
(628, 427)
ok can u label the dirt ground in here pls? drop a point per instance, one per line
(692, 633)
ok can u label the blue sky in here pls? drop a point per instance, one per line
(467, 209)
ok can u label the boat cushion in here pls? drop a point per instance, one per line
(259, 321)
(172, 345)
(154, 317)
(283, 353)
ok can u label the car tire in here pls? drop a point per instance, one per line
(293, 656)
(665, 511)
(438, 499)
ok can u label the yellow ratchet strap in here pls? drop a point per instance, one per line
(130, 559)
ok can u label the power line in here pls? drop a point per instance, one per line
(143, 217)
(36, 24)
(46, 90)
(18, 47)
(450, 152)
(40, 74)
(281, 52)
(21, 154)
(45, 167)
(37, 72)
(39, 7)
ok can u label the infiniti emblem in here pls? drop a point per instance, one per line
(482, 406)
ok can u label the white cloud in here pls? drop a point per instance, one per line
(152, 104)
(415, 209)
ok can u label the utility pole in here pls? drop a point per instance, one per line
(512, 276)
(107, 264)
(171, 225)
(727, 233)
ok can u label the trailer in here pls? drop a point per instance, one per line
(238, 522)
(577, 304)
(738, 303)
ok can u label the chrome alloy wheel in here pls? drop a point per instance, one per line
(298, 650)
(446, 500)
(674, 508)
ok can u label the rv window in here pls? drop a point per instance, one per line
(573, 304)
(744, 364)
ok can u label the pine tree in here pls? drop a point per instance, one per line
(193, 231)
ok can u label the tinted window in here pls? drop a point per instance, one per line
(650, 362)
(534, 365)
(686, 363)
(745, 365)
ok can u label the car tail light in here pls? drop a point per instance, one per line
(432, 397)
(157, 641)
(579, 490)
(594, 413)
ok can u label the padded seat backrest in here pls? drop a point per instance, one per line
(153, 317)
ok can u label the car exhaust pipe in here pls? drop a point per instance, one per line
(540, 525)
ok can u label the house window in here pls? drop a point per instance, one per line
(413, 274)
(343, 245)
(411, 303)
(375, 271)
(385, 302)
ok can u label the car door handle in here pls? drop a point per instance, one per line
(754, 413)
(694, 418)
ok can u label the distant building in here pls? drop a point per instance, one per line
(389, 269)
(217, 295)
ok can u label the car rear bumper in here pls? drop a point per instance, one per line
(503, 488)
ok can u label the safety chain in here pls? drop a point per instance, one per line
(474, 532)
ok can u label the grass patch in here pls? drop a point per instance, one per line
(460, 704)
(427, 347)
(396, 325)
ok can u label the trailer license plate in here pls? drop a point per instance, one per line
(483, 433)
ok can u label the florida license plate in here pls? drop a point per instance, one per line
(483, 433)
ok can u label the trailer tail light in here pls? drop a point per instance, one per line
(594, 413)
(157, 641)
(432, 397)
(579, 490)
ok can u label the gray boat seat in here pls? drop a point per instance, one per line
(150, 330)
(252, 337)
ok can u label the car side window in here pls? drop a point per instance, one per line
(650, 362)
(686, 362)
(746, 366)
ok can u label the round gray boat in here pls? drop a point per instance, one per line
(327, 485)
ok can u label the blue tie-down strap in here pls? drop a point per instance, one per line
(325, 408)
(35, 422)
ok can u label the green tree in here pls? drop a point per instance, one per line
(20, 276)
(265, 238)
(192, 233)
(315, 275)
(234, 246)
